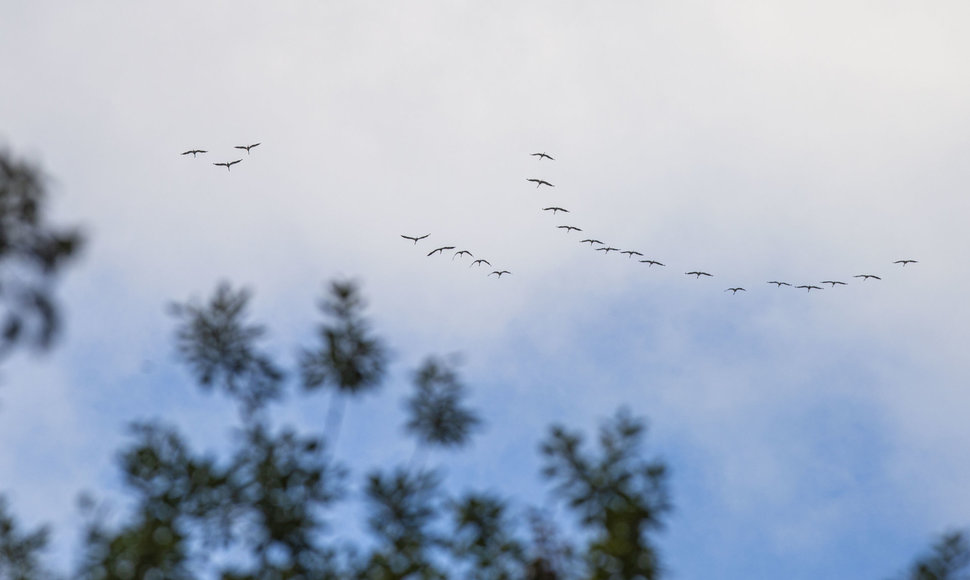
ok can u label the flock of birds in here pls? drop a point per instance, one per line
(606, 249)
(227, 164)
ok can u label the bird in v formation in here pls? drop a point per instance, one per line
(247, 147)
(415, 238)
(605, 249)
(194, 152)
(228, 164)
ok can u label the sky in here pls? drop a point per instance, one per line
(809, 434)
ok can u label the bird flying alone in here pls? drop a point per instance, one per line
(809, 287)
(541, 155)
(651, 263)
(735, 290)
(539, 182)
(569, 228)
(500, 272)
(440, 250)
(415, 238)
(903, 262)
(228, 164)
(247, 147)
(867, 276)
(194, 151)
(555, 209)
(697, 273)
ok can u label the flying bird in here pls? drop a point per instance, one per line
(697, 273)
(228, 164)
(441, 249)
(608, 249)
(631, 253)
(555, 209)
(591, 241)
(735, 290)
(480, 262)
(541, 155)
(809, 287)
(461, 253)
(904, 262)
(651, 263)
(247, 147)
(569, 228)
(500, 272)
(194, 151)
(415, 238)
(778, 284)
(539, 182)
(833, 283)
(867, 276)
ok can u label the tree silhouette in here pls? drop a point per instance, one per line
(218, 345)
(619, 496)
(349, 359)
(436, 415)
(32, 255)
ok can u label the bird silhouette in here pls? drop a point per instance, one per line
(441, 249)
(778, 284)
(809, 287)
(228, 164)
(555, 209)
(591, 241)
(608, 249)
(651, 263)
(461, 253)
(735, 290)
(247, 147)
(539, 182)
(904, 262)
(833, 283)
(500, 272)
(569, 228)
(194, 151)
(479, 263)
(697, 273)
(541, 155)
(867, 276)
(415, 238)
(631, 253)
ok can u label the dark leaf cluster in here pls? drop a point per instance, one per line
(619, 496)
(436, 414)
(218, 344)
(32, 254)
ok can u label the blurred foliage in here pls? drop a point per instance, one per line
(436, 415)
(219, 347)
(949, 559)
(19, 551)
(619, 497)
(32, 254)
(260, 513)
(349, 359)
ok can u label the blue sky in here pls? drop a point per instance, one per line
(810, 435)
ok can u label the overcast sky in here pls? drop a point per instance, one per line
(810, 435)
